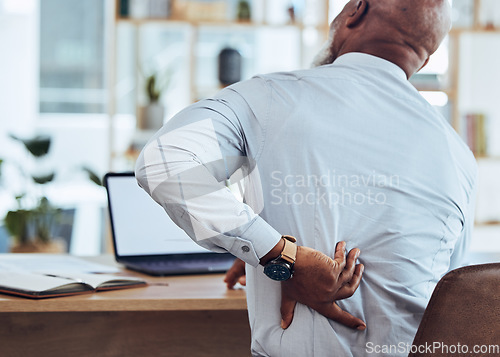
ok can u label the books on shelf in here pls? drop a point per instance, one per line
(476, 134)
(143, 9)
(38, 285)
(201, 10)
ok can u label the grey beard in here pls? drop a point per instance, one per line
(324, 56)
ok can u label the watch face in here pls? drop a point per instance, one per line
(278, 271)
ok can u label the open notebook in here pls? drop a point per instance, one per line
(38, 285)
(147, 240)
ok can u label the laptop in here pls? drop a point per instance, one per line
(147, 240)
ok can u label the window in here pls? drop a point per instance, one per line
(72, 56)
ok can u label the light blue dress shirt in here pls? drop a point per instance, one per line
(348, 151)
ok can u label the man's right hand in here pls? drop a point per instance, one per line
(318, 281)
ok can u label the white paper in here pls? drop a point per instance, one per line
(94, 280)
(31, 282)
(52, 262)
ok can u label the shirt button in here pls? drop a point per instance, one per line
(245, 248)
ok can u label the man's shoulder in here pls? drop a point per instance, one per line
(293, 75)
(261, 85)
(265, 84)
(285, 75)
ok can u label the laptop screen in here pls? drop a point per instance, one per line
(140, 225)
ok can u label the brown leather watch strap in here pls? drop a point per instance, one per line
(289, 252)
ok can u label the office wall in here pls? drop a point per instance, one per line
(18, 71)
(18, 79)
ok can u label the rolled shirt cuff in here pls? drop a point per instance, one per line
(255, 242)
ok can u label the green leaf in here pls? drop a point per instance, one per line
(92, 176)
(37, 146)
(44, 216)
(16, 223)
(44, 178)
(152, 90)
(44, 205)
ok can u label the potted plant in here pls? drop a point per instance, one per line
(31, 224)
(150, 116)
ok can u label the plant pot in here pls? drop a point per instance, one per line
(56, 246)
(150, 117)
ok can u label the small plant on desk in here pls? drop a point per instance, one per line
(31, 224)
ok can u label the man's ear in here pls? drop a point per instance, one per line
(356, 15)
(425, 63)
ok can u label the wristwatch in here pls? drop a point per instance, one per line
(281, 268)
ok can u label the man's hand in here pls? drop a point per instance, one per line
(236, 274)
(319, 281)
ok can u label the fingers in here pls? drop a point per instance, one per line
(349, 268)
(320, 280)
(287, 309)
(243, 280)
(235, 274)
(339, 258)
(334, 312)
(351, 286)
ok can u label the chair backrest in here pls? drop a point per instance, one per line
(463, 315)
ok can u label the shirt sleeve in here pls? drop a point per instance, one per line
(184, 168)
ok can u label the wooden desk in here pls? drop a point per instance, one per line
(173, 316)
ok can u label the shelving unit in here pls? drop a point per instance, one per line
(454, 76)
(455, 36)
(486, 191)
(487, 231)
(194, 30)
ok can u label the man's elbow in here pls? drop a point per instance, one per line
(140, 172)
(151, 167)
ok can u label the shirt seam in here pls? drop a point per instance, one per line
(264, 123)
(440, 249)
(266, 120)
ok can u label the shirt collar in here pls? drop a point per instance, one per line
(364, 59)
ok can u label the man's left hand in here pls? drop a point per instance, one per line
(236, 274)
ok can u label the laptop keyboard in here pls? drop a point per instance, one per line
(190, 265)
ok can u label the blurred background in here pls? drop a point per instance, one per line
(84, 84)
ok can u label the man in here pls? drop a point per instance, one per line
(347, 154)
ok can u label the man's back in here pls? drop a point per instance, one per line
(348, 151)
(371, 164)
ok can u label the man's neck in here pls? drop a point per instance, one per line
(400, 55)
